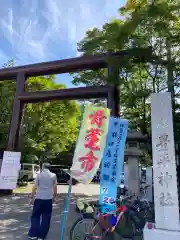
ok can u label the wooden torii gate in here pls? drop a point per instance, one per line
(21, 73)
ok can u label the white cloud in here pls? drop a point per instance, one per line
(72, 31)
(90, 15)
(85, 10)
(6, 25)
(24, 32)
(35, 32)
(73, 18)
(53, 13)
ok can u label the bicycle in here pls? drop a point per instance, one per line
(101, 225)
(143, 206)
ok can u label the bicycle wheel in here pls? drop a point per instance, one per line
(86, 228)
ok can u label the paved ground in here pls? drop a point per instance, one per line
(15, 212)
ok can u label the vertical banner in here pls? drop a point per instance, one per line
(90, 144)
(112, 163)
(67, 202)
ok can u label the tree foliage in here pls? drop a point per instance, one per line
(142, 25)
(47, 128)
(7, 93)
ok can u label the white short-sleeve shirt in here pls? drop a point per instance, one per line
(44, 182)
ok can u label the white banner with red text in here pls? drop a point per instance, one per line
(90, 144)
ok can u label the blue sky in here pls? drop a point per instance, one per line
(43, 30)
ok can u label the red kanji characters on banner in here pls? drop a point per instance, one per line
(88, 161)
(92, 138)
(97, 118)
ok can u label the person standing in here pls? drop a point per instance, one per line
(44, 193)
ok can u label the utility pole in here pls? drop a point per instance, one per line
(170, 78)
(170, 83)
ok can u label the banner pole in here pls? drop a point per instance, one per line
(67, 203)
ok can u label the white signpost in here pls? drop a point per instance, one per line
(149, 177)
(167, 223)
(10, 170)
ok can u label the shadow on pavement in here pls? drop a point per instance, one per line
(15, 215)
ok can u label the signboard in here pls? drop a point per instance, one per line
(8, 182)
(112, 163)
(164, 164)
(90, 143)
(10, 170)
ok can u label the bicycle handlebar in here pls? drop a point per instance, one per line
(144, 188)
(128, 197)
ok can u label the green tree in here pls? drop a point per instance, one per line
(160, 28)
(47, 128)
(155, 26)
(143, 25)
(7, 93)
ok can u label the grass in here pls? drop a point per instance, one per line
(26, 189)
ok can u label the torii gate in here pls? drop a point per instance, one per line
(21, 73)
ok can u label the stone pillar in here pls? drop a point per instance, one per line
(133, 175)
(133, 153)
(167, 224)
